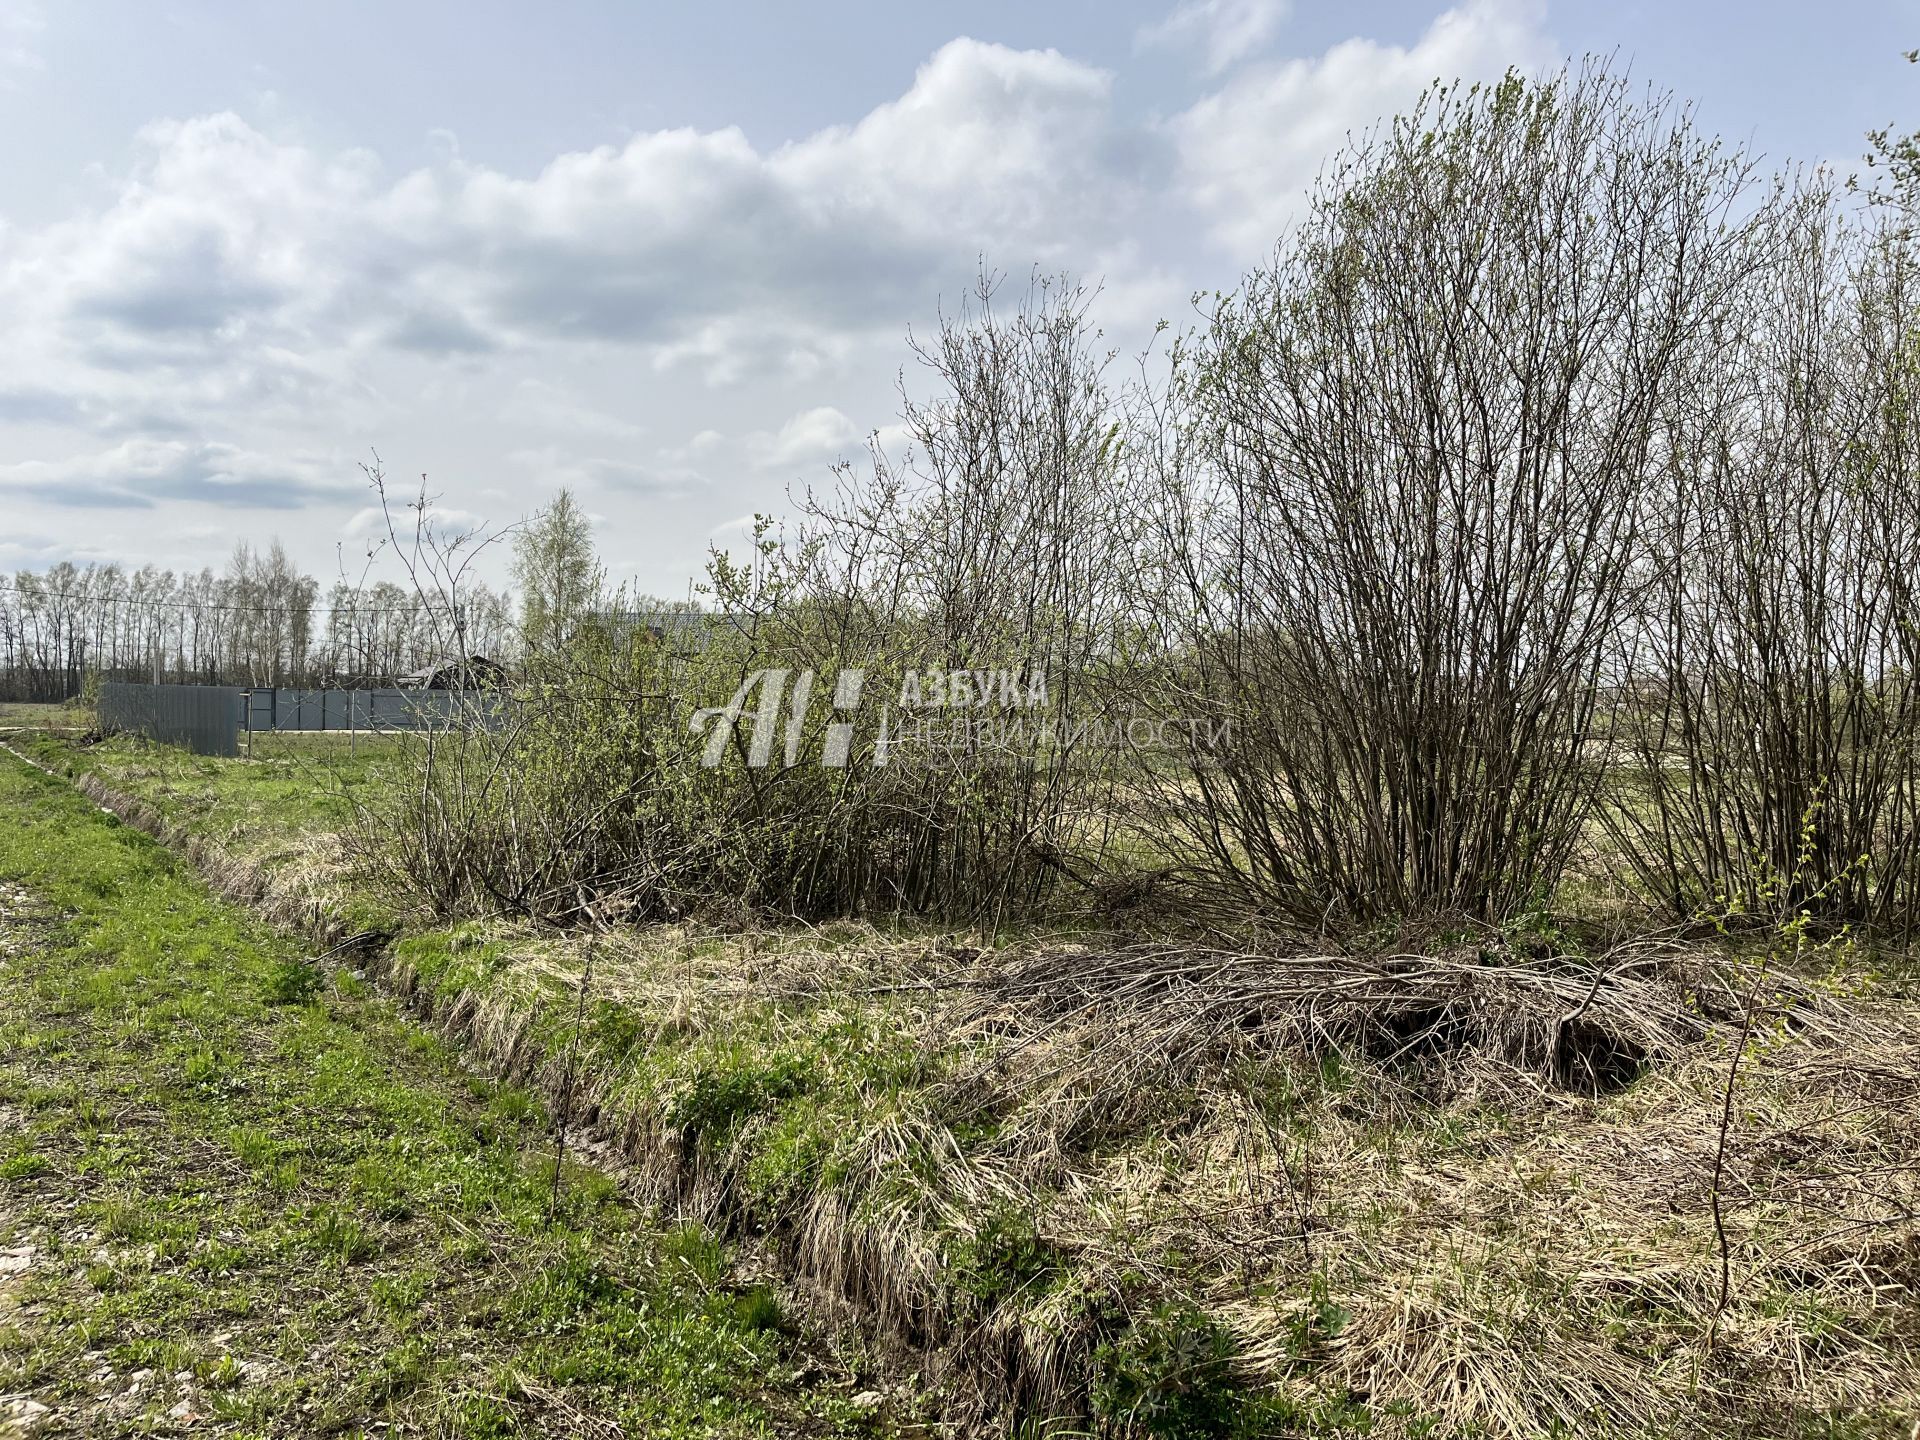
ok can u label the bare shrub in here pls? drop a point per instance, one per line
(997, 543)
(1406, 507)
(555, 786)
(1770, 747)
(676, 762)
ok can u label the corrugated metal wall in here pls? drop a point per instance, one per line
(209, 719)
(205, 718)
(288, 709)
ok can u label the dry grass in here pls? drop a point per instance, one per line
(1490, 1214)
(1444, 1227)
(1466, 1193)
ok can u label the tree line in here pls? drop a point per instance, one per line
(260, 621)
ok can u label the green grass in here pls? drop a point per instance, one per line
(270, 1202)
(19, 714)
(283, 808)
(291, 786)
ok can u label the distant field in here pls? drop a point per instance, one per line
(280, 812)
(290, 785)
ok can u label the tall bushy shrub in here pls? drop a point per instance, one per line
(1415, 455)
(1770, 753)
(999, 541)
(988, 544)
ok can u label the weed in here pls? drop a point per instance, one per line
(729, 1087)
(1004, 1254)
(290, 982)
(759, 1309)
(339, 1236)
(1168, 1375)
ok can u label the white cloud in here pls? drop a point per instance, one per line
(35, 552)
(989, 143)
(139, 472)
(739, 525)
(759, 345)
(234, 273)
(546, 406)
(1250, 151)
(706, 248)
(816, 437)
(554, 466)
(370, 522)
(1225, 30)
(702, 447)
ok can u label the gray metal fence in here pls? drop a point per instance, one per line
(205, 718)
(209, 719)
(289, 709)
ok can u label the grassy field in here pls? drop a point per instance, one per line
(1171, 1193)
(239, 1196)
(292, 786)
(16, 714)
(279, 811)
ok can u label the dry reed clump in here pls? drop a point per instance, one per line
(1519, 1257)
(1572, 1274)
(1570, 1021)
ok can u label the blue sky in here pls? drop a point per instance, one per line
(667, 255)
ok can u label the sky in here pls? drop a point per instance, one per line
(669, 256)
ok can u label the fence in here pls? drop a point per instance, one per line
(208, 719)
(288, 709)
(205, 718)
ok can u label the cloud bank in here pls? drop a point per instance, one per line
(239, 313)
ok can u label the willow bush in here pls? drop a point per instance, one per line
(1409, 507)
(1768, 757)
